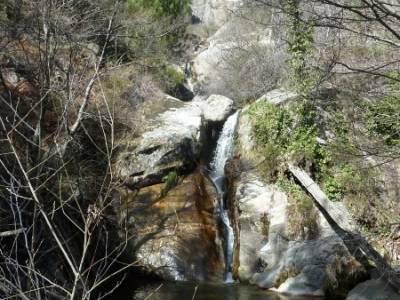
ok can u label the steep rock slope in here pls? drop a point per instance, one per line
(268, 256)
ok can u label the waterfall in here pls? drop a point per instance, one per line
(223, 152)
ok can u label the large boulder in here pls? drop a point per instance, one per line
(373, 290)
(268, 255)
(169, 137)
(170, 140)
(175, 232)
(216, 108)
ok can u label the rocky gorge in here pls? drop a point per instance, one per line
(199, 212)
(199, 149)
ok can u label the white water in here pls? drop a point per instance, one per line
(223, 152)
(224, 149)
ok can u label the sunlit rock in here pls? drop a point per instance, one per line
(268, 255)
(170, 140)
(278, 96)
(216, 108)
(214, 12)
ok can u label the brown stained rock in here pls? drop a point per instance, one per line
(176, 236)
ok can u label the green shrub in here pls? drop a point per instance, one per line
(170, 181)
(170, 78)
(382, 118)
(333, 188)
(284, 133)
(300, 47)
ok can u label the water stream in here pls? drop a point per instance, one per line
(223, 152)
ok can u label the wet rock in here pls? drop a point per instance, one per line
(176, 236)
(183, 92)
(373, 290)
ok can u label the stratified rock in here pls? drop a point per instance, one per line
(373, 290)
(216, 108)
(170, 140)
(176, 236)
(267, 255)
(171, 137)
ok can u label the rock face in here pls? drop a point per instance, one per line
(267, 256)
(214, 12)
(278, 97)
(175, 231)
(176, 236)
(373, 290)
(213, 61)
(216, 108)
(171, 139)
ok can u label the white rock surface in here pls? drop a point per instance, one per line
(214, 12)
(216, 108)
(278, 96)
(171, 138)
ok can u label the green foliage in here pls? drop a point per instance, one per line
(395, 75)
(383, 118)
(163, 7)
(271, 123)
(334, 189)
(153, 38)
(303, 146)
(170, 181)
(3, 15)
(170, 77)
(284, 133)
(174, 75)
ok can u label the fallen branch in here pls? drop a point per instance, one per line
(353, 241)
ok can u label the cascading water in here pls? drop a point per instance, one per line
(223, 152)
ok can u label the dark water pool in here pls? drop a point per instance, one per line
(177, 291)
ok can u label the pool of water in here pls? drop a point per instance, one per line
(193, 291)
